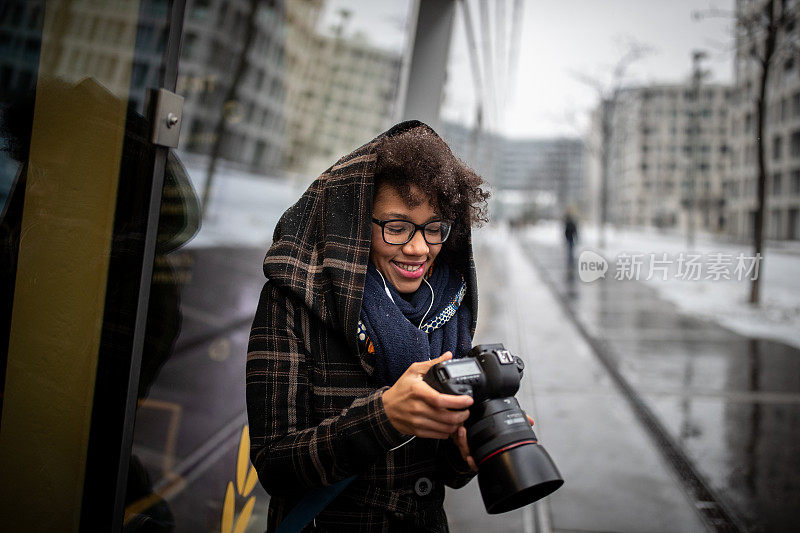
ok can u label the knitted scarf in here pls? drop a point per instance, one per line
(390, 322)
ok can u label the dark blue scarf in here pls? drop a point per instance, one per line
(389, 326)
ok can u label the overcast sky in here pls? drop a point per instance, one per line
(562, 39)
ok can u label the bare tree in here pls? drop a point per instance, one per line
(764, 36)
(608, 93)
(229, 102)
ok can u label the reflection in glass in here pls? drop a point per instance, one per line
(78, 161)
(272, 93)
(20, 35)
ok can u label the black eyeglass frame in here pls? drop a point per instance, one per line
(382, 224)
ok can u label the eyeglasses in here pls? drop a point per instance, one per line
(402, 231)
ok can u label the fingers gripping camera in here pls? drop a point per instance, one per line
(488, 371)
(513, 468)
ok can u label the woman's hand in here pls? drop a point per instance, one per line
(460, 439)
(415, 408)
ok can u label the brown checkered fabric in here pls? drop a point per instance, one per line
(316, 415)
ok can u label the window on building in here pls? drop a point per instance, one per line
(795, 187)
(162, 39)
(777, 148)
(776, 231)
(794, 145)
(793, 223)
(139, 74)
(777, 178)
(144, 34)
(189, 42)
(200, 9)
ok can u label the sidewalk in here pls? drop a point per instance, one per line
(615, 479)
(730, 402)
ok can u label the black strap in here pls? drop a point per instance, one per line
(310, 506)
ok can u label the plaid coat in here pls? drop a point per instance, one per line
(315, 412)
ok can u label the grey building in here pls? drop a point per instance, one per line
(667, 156)
(253, 111)
(346, 94)
(540, 177)
(781, 133)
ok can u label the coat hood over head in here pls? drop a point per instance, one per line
(321, 244)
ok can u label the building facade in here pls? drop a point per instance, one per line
(302, 97)
(667, 156)
(781, 129)
(534, 178)
(233, 78)
(344, 96)
(686, 157)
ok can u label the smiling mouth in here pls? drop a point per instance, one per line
(411, 270)
(408, 267)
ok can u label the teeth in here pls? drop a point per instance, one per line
(410, 268)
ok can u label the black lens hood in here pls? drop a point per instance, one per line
(520, 474)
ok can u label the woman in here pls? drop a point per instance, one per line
(370, 281)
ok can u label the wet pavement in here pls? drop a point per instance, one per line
(615, 477)
(729, 402)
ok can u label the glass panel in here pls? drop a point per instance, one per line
(18, 68)
(75, 185)
(274, 93)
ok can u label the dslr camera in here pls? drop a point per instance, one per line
(513, 468)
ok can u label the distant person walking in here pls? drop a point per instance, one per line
(571, 235)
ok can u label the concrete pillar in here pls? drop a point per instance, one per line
(423, 84)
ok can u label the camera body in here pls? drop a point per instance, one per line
(488, 371)
(513, 469)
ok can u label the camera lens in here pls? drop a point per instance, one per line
(513, 469)
(494, 424)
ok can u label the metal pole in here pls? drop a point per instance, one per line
(426, 75)
(695, 140)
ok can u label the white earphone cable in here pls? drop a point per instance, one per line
(429, 307)
(385, 287)
(401, 445)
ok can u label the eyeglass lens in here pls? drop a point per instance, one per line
(400, 232)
